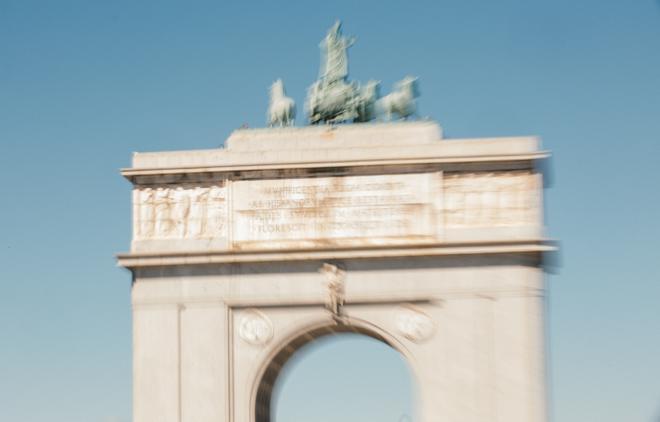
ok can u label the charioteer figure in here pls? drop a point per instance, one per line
(332, 98)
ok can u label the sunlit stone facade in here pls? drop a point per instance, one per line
(434, 246)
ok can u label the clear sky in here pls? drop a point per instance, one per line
(85, 83)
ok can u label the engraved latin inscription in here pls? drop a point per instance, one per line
(364, 208)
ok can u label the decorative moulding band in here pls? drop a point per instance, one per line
(151, 259)
(129, 173)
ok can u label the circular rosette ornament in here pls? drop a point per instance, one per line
(255, 328)
(414, 324)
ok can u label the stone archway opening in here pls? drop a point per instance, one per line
(375, 369)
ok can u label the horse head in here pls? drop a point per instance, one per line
(371, 91)
(366, 101)
(277, 89)
(409, 85)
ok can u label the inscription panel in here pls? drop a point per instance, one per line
(350, 210)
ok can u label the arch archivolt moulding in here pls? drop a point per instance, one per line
(294, 337)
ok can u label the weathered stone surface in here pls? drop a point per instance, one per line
(487, 199)
(180, 212)
(320, 212)
(439, 196)
(241, 256)
(345, 136)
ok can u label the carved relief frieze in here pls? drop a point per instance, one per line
(179, 212)
(483, 199)
(349, 210)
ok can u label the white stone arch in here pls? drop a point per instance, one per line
(281, 352)
(450, 234)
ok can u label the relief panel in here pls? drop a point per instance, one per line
(180, 212)
(491, 199)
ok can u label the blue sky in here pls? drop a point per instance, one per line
(85, 83)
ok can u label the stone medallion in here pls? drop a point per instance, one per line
(255, 328)
(414, 324)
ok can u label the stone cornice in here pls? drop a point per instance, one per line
(131, 173)
(155, 259)
(378, 147)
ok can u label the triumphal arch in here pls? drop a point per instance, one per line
(242, 255)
